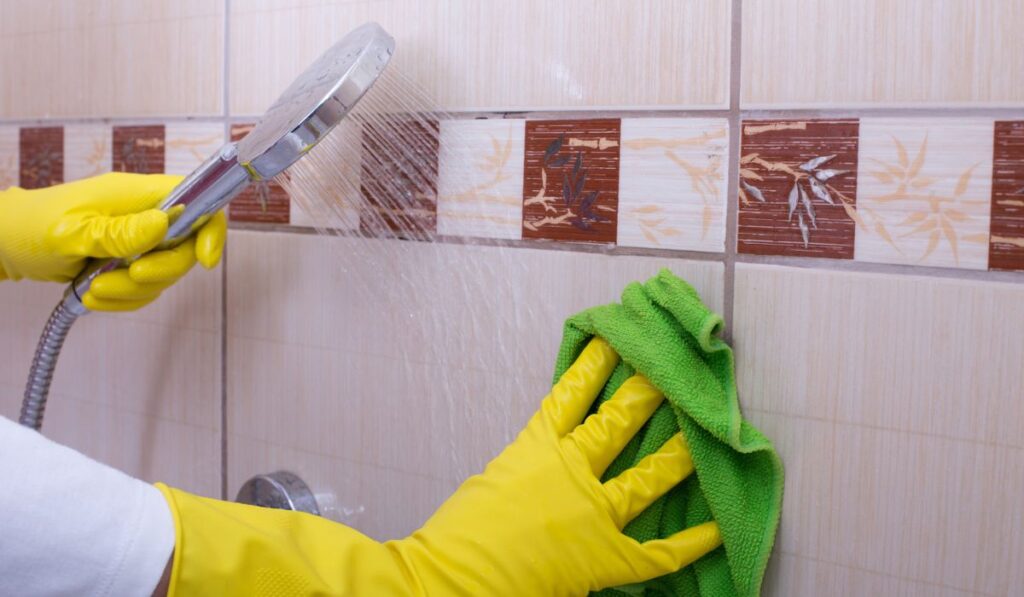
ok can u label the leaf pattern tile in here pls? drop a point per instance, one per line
(480, 182)
(138, 149)
(264, 201)
(925, 191)
(797, 190)
(1006, 244)
(571, 180)
(672, 183)
(41, 162)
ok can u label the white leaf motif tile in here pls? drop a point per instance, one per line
(924, 190)
(188, 144)
(87, 150)
(672, 183)
(8, 156)
(480, 181)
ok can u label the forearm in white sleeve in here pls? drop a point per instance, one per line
(72, 526)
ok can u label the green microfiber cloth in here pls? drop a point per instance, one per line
(663, 331)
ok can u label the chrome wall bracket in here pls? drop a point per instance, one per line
(281, 490)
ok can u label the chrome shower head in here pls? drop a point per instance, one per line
(318, 99)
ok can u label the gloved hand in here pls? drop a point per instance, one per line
(537, 521)
(49, 234)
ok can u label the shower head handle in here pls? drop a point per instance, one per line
(307, 110)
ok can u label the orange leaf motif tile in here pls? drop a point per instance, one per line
(571, 180)
(798, 188)
(924, 191)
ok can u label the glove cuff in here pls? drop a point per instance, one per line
(223, 548)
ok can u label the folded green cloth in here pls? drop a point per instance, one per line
(663, 331)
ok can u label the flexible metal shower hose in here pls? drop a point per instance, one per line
(43, 364)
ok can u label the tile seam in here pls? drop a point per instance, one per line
(735, 119)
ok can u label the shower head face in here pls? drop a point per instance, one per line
(316, 101)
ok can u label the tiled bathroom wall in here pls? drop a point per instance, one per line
(842, 179)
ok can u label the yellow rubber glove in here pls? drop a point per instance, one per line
(49, 234)
(537, 521)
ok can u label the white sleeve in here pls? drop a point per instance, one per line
(72, 526)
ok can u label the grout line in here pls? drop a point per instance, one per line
(1000, 113)
(850, 265)
(226, 108)
(735, 80)
(587, 248)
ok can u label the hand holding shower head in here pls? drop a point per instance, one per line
(311, 106)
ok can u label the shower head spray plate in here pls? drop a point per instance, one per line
(316, 101)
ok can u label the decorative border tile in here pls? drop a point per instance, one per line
(189, 144)
(9, 159)
(87, 150)
(480, 179)
(1006, 243)
(41, 161)
(331, 196)
(138, 149)
(672, 183)
(264, 201)
(398, 199)
(925, 191)
(571, 180)
(798, 188)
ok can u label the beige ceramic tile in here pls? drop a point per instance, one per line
(87, 150)
(924, 191)
(189, 144)
(162, 361)
(924, 355)
(420, 358)
(9, 163)
(150, 448)
(166, 62)
(672, 183)
(492, 55)
(927, 508)
(790, 575)
(893, 403)
(480, 179)
(878, 52)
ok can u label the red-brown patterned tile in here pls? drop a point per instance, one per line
(139, 149)
(1006, 246)
(798, 188)
(571, 180)
(41, 151)
(399, 177)
(264, 201)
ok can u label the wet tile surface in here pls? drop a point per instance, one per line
(264, 201)
(41, 162)
(1006, 243)
(672, 183)
(480, 184)
(139, 149)
(571, 180)
(399, 178)
(798, 188)
(924, 191)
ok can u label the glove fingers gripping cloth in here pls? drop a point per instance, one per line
(663, 331)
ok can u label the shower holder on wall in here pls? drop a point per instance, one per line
(281, 490)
